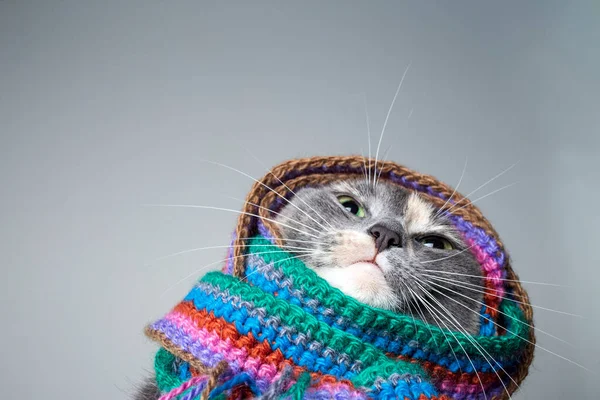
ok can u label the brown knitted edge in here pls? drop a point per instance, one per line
(213, 379)
(213, 373)
(172, 348)
(262, 195)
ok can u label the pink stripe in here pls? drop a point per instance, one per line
(491, 268)
(264, 373)
(185, 386)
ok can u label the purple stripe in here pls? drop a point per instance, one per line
(198, 350)
(195, 392)
(201, 352)
(262, 229)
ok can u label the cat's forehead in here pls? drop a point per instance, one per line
(385, 199)
(381, 191)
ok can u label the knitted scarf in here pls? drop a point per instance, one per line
(266, 326)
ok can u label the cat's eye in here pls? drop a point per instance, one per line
(352, 206)
(436, 242)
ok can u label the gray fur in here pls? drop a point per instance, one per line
(148, 391)
(388, 204)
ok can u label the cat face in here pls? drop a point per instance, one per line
(383, 244)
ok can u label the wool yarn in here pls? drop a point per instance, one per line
(266, 326)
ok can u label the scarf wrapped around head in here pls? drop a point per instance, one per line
(266, 326)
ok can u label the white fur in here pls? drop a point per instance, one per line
(355, 272)
(362, 280)
(418, 214)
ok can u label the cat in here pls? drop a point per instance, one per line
(383, 245)
(375, 242)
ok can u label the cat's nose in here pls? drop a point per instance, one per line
(384, 237)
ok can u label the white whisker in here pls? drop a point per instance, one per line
(216, 247)
(288, 240)
(419, 311)
(448, 257)
(431, 310)
(439, 211)
(368, 137)
(509, 331)
(407, 301)
(299, 198)
(203, 268)
(472, 341)
(478, 347)
(387, 117)
(262, 184)
(383, 164)
(229, 210)
(473, 287)
(500, 279)
(274, 212)
(364, 167)
(498, 311)
(480, 198)
(484, 184)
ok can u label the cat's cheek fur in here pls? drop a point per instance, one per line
(362, 280)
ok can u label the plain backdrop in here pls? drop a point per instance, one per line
(106, 106)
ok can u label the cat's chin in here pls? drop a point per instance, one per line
(362, 280)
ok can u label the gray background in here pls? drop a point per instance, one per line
(106, 106)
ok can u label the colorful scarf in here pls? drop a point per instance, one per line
(267, 326)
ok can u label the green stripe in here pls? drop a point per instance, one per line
(166, 376)
(397, 324)
(291, 315)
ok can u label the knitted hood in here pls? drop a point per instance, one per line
(267, 326)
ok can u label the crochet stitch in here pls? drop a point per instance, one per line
(267, 326)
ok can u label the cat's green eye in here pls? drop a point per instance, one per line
(436, 242)
(352, 206)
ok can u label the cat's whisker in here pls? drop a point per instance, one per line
(364, 167)
(439, 211)
(288, 240)
(420, 311)
(509, 331)
(458, 328)
(274, 212)
(369, 140)
(498, 311)
(484, 184)
(473, 287)
(204, 267)
(499, 279)
(387, 117)
(407, 299)
(383, 164)
(265, 186)
(448, 257)
(299, 198)
(231, 210)
(480, 198)
(285, 247)
(437, 322)
(468, 336)
(432, 311)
